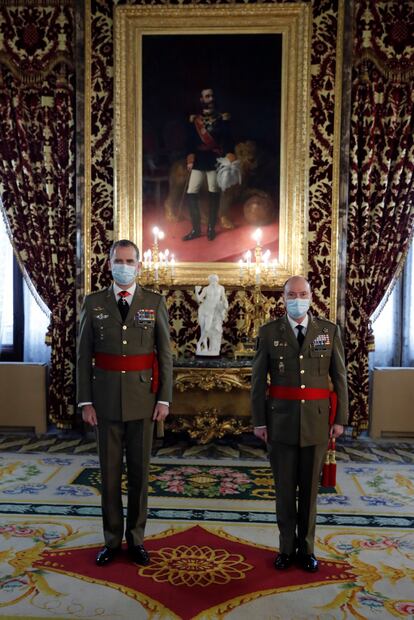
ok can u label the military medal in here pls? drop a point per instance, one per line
(322, 341)
(145, 316)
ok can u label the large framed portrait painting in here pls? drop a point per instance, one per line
(211, 134)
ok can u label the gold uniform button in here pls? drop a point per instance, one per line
(123, 371)
(301, 357)
(124, 327)
(302, 387)
(125, 342)
(301, 372)
(302, 401)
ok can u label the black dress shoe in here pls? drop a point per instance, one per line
(139, 555)
(284, 561)
(308, 562)
(106, 555)
(193, 234)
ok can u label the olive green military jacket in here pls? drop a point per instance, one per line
(278, 356)
(118, 395)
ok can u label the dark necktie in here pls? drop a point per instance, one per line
(123, 304)
(301, 337)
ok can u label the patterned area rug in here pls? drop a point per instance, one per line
(220, 482)
(212, 538)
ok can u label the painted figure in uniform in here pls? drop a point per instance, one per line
(124, 384)
(302, 354)
(209, 139)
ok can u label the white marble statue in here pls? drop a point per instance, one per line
(212, 311)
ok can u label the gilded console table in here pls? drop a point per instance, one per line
(211, 397)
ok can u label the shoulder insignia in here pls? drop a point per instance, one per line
(152, 291)
(192, 118)
(323, 319)
(226, 116)
(95, 293)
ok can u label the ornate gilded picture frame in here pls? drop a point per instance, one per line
(256, 61)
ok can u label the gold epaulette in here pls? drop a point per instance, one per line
(226, 116)
(192, 118)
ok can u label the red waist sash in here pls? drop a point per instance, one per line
(295, 393)
(108, 361)
(126, 363)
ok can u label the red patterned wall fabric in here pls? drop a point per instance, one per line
(323, 69)
(102, 147)
(37, 147)
(381, 200)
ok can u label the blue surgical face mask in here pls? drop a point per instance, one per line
(296, 308)
(123, 274)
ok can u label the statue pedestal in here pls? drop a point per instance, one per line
(211, 398)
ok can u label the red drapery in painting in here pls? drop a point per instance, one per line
(37, 99)
(381, 198)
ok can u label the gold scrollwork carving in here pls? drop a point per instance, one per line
(210, 379)
(208, 425)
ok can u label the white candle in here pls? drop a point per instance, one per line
(257, 275)
(241, 268)
(149, 258)
(172, 265)
(156, 272)
(156, 233)
(257, 235)
(248, 258)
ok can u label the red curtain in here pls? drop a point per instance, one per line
(381, 197)
(37, 102)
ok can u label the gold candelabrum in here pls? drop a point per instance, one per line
(262, 271)
(158, 268)
(257, 308)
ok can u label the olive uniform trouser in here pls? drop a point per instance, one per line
(296, 469)
(136, 438)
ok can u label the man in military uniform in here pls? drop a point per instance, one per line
(209, 138)
(300, 353)
(124, 385)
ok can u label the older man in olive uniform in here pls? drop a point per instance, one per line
(301, 354)
(124, 385)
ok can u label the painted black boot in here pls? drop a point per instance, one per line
(214, 205)
(195, 218)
